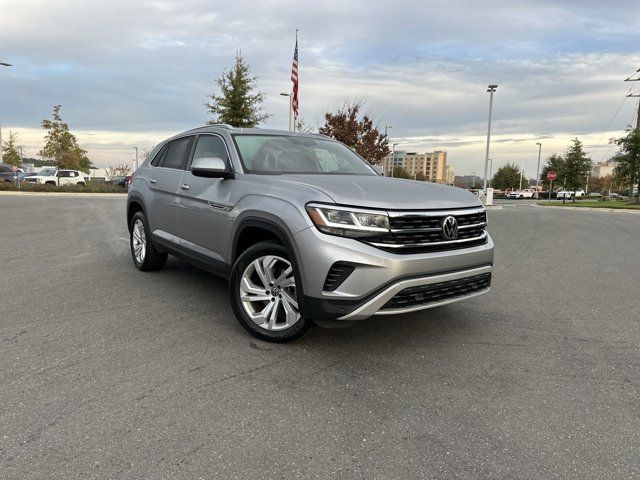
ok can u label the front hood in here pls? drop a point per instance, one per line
(385, 192)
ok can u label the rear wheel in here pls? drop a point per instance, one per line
(144, 254)
(264, 293)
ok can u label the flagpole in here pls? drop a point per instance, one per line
(295, 117)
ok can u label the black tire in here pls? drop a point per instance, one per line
(82, 184)
(254, 252)
(152, 258)
(51, 184)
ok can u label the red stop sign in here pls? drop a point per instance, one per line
(551, 175)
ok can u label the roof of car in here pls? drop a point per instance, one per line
(218, 128)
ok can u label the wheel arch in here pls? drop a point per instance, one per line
(272, 230)
(134, 204)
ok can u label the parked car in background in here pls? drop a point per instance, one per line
(8, 173)
(59, 177)
(120, 180)
(304, 229)
(594, 195)
(570, 194)
(525, 193)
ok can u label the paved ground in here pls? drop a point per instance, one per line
(107, 372)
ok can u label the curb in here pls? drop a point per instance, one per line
(63, 194)
(590, 209)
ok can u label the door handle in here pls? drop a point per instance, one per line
(184, 186)
(152, 180)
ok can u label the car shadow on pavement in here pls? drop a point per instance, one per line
(434, 325)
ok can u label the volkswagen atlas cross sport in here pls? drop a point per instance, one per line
(304, 229)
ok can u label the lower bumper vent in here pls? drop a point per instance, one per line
(338, 273)
(437, 292)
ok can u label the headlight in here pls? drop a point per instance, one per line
(348, 222)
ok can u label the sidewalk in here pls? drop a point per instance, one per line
(63, 194)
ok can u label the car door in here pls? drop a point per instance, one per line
(205, 203)
(63, 177)
(164, 178)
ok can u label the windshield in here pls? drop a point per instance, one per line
(278, 154)
(47, 172)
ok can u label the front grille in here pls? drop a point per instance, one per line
(422, 231)
(338, 273)
(437, 292)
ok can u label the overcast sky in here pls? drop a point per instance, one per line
(133, 73)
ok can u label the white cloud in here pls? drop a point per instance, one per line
(135, 72)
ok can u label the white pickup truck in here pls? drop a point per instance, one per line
(54, 176)
(570, 194)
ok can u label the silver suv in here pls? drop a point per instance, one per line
(304, 229)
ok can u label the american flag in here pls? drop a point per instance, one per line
(294, 79)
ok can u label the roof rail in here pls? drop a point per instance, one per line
(223, 125)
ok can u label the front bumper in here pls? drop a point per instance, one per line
(378, 275)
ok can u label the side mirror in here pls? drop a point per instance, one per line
(210, 167)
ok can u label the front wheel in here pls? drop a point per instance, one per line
(264, 290)
(143, 252)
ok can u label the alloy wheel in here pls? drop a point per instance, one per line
(139, 241)
(268, 293)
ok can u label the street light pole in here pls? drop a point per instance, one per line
(538, 169)
(490, 89)
(386, 129)
(474, 179)
(4, 64)
(393, 158)
(490, 171)
(521, 172)
(136, 149)
(290, 95)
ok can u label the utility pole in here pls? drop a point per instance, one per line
(637, 94)
(490, 89)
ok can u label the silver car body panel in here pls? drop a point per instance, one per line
(206, 217)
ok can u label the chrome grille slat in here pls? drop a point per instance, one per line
(421, 231)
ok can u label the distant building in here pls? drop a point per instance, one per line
(433, 165)
(603, 169)
(450, 175)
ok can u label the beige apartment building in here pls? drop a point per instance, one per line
(603, 169)
(432, 165)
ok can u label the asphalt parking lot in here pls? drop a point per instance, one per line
(108, 372)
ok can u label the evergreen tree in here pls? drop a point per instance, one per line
(507, 178)
(576, 167)
(61, 146)
(10, 150)
(237, 104)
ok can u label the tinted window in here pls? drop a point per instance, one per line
(210, 146)
(276, 154)
(156, 160)
(177, 151)
(64, 174)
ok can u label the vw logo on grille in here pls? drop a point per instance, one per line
(450, 228)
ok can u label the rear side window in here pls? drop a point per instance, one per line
(176, 154)
(158, 158)
(211, 146)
